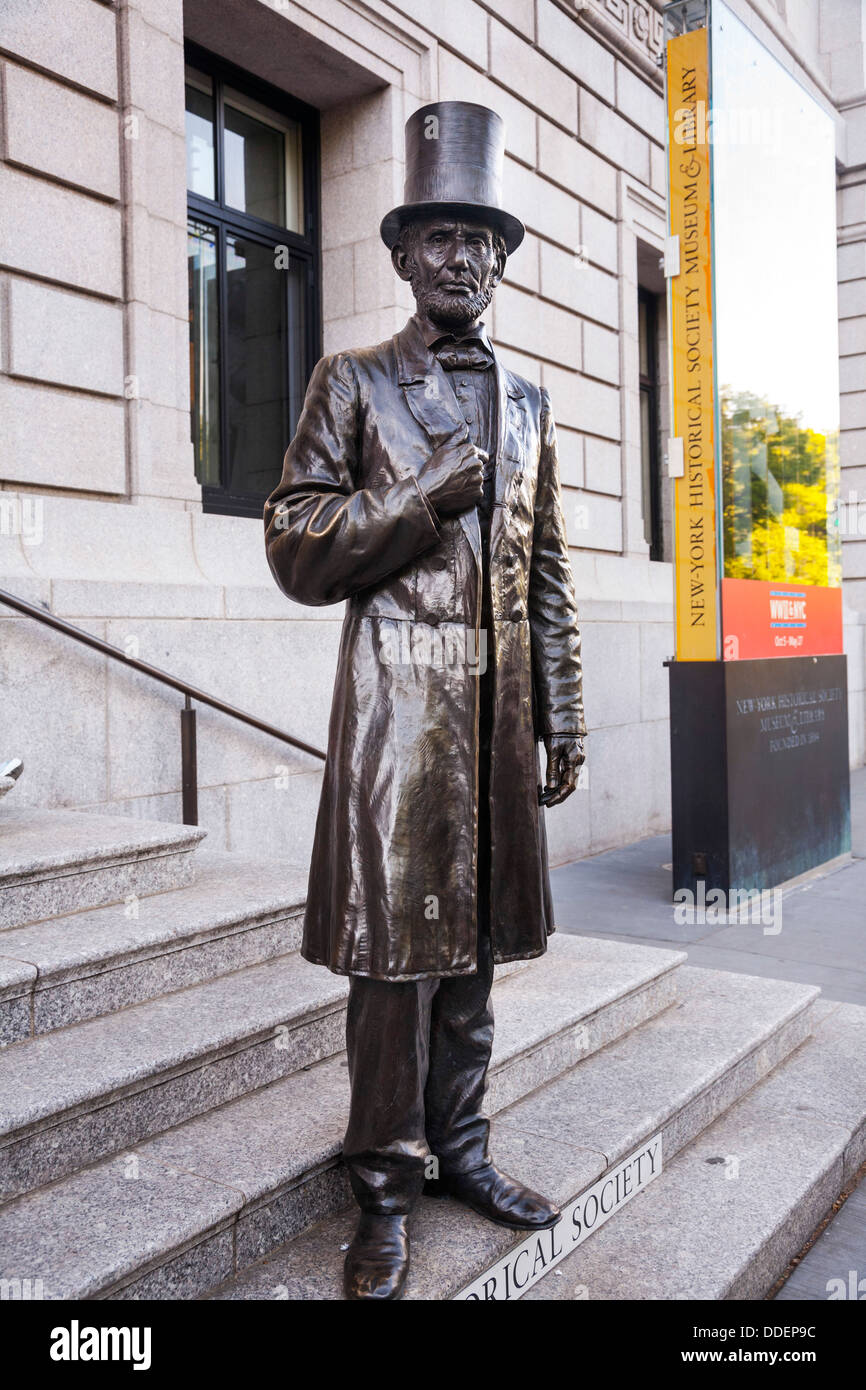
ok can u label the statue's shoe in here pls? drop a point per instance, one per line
(377, 1260)
(498, 1198)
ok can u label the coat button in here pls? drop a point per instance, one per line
(516, 615)
(439, 562)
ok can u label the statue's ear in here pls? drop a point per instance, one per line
(401, 261)
(499, 269)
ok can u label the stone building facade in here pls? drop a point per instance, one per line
(102, 517)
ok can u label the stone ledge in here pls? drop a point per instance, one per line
(694, 1061)
(59, 861)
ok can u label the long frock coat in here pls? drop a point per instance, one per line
(392, 888)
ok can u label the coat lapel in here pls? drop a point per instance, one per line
(431, 399)
(510, 448)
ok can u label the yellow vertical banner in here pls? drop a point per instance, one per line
(695, 581)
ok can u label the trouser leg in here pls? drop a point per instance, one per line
(461, 1038)
(387, 1042)
(461, 1025)
(418, 1058)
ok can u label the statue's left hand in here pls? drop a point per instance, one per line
(565, 754)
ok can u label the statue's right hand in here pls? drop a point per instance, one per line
(452, 478)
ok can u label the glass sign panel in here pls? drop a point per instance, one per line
(776, 344)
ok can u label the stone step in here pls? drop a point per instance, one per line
(77, 1094)
(57, 862)
(238, 912)
(72, 1096)
(725, 1218)
(267, 1162)
(572, 1001)
(670, 1077)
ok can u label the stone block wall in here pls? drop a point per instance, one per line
(100, 516)
(93, 373)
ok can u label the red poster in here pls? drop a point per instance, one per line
(766, 618)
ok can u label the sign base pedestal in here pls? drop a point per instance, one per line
(760, 782)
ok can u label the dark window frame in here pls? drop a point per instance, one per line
(649, 387)
(226, 221)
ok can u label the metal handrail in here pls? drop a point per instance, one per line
(189, 779)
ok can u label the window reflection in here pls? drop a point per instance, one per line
(775, 305)
(648, 315)
(262, 164)
(200, 176)
(204, 351)
(776, 477)
(264, 329)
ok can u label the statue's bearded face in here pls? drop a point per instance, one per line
(453, 268)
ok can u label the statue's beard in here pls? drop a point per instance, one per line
(447, 310)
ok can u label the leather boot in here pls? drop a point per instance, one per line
(497, 1197)
(377, 1261)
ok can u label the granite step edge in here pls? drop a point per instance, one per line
(123, 1077)
(123, 1093)
(689, 1112)
(295, 989)
(287, 1200)
(799, 1137)
(519, 1071)
(35, 901)
(67, 970)
(93, 861)
(329, 1155)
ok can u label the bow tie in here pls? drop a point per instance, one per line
(467, 355)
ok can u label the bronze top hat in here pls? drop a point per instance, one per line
(454, 156)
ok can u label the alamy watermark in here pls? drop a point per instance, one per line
(848, 515)
(853, 1288)
(450, 644)
(77, 1343)
(700, 125)
(714, 907)
(22, 515)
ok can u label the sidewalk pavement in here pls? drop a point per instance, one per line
(625, 894)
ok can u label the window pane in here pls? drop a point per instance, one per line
(646, 462)
(776, 346)
(262, 163)
(204, 351)
(263, 377)
(643, 337)
(200, 176)
(294, 181)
